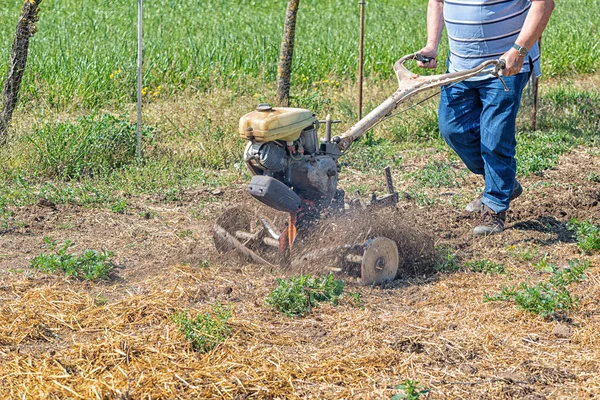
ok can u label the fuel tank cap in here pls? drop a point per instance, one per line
(264, 107)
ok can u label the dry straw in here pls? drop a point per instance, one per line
(64, 339)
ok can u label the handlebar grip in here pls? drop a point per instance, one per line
(422, 58)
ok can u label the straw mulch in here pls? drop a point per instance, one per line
(65, 339)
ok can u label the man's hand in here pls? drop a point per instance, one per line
(431, 53)
(514, 62)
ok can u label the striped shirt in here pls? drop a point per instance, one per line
(480, 30)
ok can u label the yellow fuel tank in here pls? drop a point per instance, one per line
(267, 123)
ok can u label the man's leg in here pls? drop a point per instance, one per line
(459, 121)
(498, 142)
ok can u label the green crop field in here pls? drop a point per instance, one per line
(85, 53)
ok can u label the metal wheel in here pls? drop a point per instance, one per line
(379, 262)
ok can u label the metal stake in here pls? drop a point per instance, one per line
(534, 109)
(361, 57)
(138, 150)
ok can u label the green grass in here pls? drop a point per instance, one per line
(549, 297)
(90, 146)
(207, 330)
(89, 265)
(438, 174)
(297, 296)
(88, 58)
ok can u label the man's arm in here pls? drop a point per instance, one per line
(435, 25)
(535, 23)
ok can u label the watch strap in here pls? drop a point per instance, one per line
(522, 50)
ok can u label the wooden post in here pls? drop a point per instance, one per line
(284, 71)
(18, 60)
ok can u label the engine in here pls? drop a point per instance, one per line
(283, 147)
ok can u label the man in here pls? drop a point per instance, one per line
(477, 117)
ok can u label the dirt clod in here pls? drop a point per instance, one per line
(562, 331)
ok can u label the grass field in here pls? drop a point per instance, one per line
(85, 55)
(110, 286)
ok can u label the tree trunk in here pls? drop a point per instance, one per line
(18, 59)
(284, 71)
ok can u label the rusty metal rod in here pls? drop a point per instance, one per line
(251, 236)
(354, 258)
(239, 246)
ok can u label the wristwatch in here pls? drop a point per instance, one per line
(522, 50)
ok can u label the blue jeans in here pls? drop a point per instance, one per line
(477, 119)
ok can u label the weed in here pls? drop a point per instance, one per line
(523, 254)
(6, 216)
(544, 266)
(50, 243)
(588, 234)
(485, 266)
(446, 260)
(298, 295)
(203, 264)
(421, 198)
(438, 174)
(119, 207)
(545, 298)
(90, 265)
(593, 177)
(184, 234)
(356, 299)
(411, 390)
(207, 330)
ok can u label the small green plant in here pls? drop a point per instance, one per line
(438, 174)
(545, 266)
(545, 298)
(298, 295)
(421, 198)
(446, 260)
(207, 330)
(411, 390)
(523, 254)
(119, 207)
(587, 233)
(593, 177)
(485, 266)
(50, 243)
(90, 265)
(356, 299)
